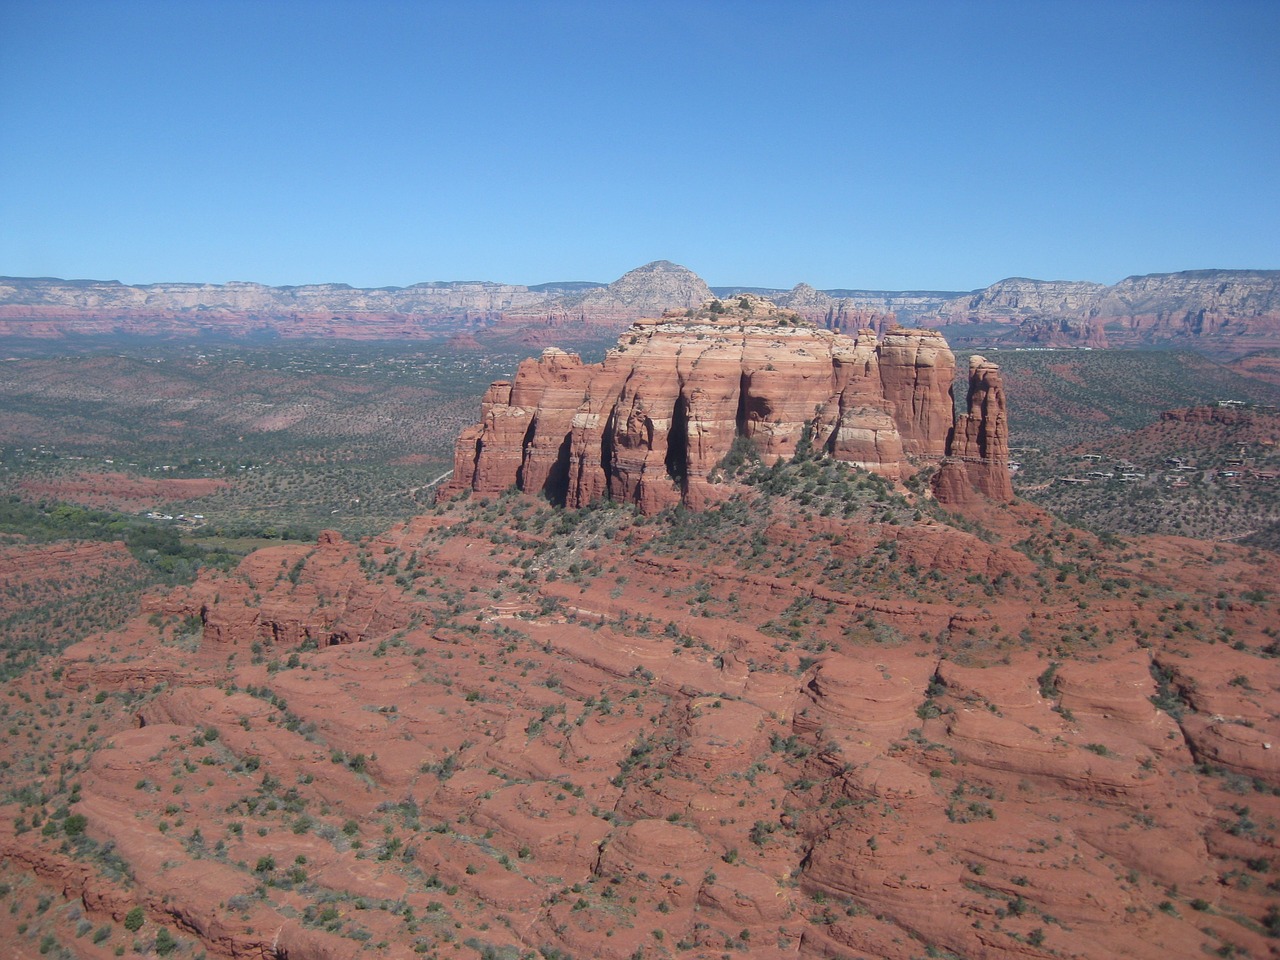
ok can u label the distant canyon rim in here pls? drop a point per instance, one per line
(1224, 310)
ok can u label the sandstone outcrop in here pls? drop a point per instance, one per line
(978, 446)
(1019, 298)
(651, 423)
(594, 732)
(108, 296)
(50, 308)
(910, 307)
(1224, 416)
(1192, 304)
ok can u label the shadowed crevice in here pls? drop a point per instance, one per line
(677, 460)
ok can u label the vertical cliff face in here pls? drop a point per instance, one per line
(519, 440)
(650, 424)
(978, 448)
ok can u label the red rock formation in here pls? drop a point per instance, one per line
(1227, 416)
(978, 448)
(1232, 309)
(62, 568)
(54, 309)
(650, 424)
(935, 753)
(1236, 310)
(523, 426)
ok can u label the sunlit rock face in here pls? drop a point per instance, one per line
(978, 450)
(650, 424)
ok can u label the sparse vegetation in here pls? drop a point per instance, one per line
(504, 696)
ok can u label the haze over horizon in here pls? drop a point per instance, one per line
(845, 145)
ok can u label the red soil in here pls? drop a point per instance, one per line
(474, 729)
(118, 491)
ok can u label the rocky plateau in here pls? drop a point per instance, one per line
(1235, 308)
(1231, 311)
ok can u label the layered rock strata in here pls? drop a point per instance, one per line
(644, 291)
(652, 422)
(1193, 305)
(52, 308)
(978, 447)
(1234, 309)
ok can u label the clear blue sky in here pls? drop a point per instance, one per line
(884, 145)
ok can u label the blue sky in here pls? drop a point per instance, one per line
(940, 145)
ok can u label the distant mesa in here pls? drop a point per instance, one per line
(1235, 309)
(652, 422)
(1194, 306)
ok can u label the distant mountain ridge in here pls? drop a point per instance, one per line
(907, 306)
(1236, 308)
(1194, 305)
(241, 295)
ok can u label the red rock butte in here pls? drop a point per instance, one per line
(651, 424)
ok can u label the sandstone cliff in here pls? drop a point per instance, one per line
(978, 446)
(910, 307)
(1194, 305)
(1232, 308)
(1046, 312)
(44, 307)
(650, 424)
(1019, 298)
(47, 308)
(110, 295)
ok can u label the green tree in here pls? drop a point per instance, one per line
(165, 943)
(74, 825)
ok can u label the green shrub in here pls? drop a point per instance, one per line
(74, 825)
(165, 943)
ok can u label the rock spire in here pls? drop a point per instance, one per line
(978, 448)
